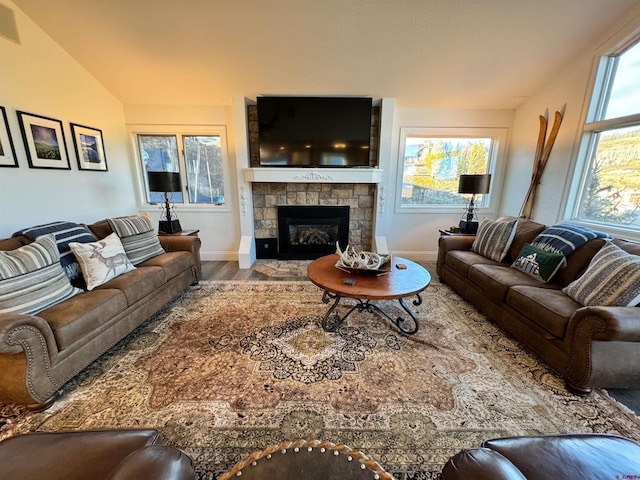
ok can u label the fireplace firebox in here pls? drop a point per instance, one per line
(307, 232)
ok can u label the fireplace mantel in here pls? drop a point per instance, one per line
(312, 175)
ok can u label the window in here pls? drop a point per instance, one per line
(199, 157)
(433, 159)
(609, 158)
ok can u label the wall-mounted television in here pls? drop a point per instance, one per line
(314, 131)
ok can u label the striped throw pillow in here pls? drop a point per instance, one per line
(137, 236)
(494, 238)
(65, 232)
(612, 278)
(32, 279)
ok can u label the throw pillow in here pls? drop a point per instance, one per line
(65, 232)
(612, 278)
(494, 238)
(101, 261)
(537, 263)
(138, 238)
(32, 279)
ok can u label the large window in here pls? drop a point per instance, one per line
(199, 157)
(609, 186)
(433, 160)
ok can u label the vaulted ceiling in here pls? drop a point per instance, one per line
(424, 53)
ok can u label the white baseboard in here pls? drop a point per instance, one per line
(417, 256)
(219, 256)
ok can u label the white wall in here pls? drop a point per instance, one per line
(219, 227)
(415, 235)
(39, 77)
(569, 87)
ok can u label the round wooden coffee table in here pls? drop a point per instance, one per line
(404, 279)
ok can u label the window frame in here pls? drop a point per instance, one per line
(495, 167)
(600, 85)
(180, 131)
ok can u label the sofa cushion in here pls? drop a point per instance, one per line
(549, 308)
(64, 232)
(612, 278)
(537, 263)
(173, 263)
(496, 280)
(578, 262)
(526, 231)
(83, 314)
(138, 283)
(494, 238)
(101, 261)
(462, 260)
(32, 279)
(137, 236)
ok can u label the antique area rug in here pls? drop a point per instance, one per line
(229, 368)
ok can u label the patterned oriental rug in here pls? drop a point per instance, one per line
(229, 368)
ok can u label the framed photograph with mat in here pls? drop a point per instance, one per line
(89, 148)
(7, 151)
(44, 141)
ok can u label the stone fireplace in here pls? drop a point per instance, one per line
(263, 189)
(359, 197)
(307, 232)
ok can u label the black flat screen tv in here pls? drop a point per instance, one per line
(314, 131)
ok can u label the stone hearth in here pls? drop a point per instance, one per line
(359, 196)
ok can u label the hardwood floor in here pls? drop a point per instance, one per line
(230, 271)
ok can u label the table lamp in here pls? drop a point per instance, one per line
(473, 184)
(166, 182)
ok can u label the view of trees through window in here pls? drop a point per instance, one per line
(203, 158)
(203, 165)
(611, 192)
(432, 166)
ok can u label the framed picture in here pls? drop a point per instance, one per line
(89, 148)
(44, 141)
(7, 151)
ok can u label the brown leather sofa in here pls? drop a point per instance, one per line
(544, 457)
(40, 353)
(587, 346)
(95, 455)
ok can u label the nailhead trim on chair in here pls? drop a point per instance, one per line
(365, 461)
(31, 361)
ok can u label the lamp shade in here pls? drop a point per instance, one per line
(474, 183)
(164, 182)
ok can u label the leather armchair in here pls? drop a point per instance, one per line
(561, 457)
(95, 455)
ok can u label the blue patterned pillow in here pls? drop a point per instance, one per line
(64, 232)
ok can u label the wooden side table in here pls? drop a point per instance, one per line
(183, 233)
(449, 233)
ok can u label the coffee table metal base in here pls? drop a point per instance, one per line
(332, 321)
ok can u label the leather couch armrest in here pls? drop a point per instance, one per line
(607, 323)
(480, 464)
(27, 351)
(18, 330)
(175, 243)
(453, 242)
(155, 462)
(192, 244)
